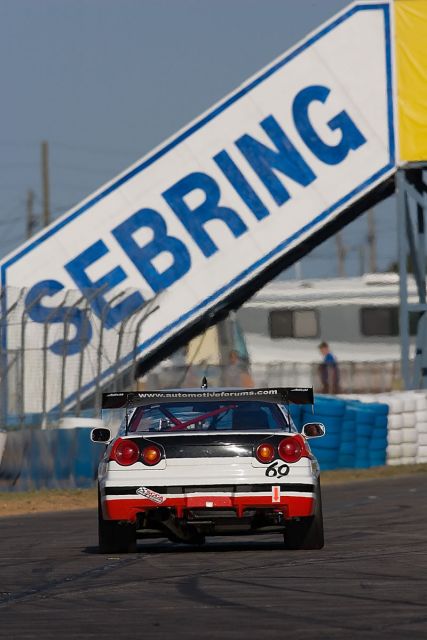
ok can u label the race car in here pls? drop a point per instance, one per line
(186, 464)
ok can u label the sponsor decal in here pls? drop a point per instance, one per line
(209, 394)
(150, 495)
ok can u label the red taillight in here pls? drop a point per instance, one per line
(151, 455)
(292, 449)
(125, 452)
(265, 453)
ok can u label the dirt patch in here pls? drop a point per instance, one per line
(60, 500)
(47, 500)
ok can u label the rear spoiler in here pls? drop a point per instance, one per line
(281, 395)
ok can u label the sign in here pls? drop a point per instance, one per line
(221, 201)
(410, 19)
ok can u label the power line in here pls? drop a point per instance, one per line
(97, 151)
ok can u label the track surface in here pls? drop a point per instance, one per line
(368, 582)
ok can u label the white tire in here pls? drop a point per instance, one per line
(409, 403)
(395, 404)
(409, 435)
(422, 440)
(394, 462)
(395, 436)
(409, 450)
(421, 402)
(394, 451)
(421, 427)
(395, 421)
(409, 419)
(421, 416)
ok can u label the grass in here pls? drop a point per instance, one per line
(50, 500)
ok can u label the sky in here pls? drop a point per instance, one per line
(105, 81)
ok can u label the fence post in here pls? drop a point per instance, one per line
(120, 341)
(21, 402)
(105, 310)
(150, 309)
(4, 351)
(89, 298)
(67, 315)
(24, 318)
(45, 364)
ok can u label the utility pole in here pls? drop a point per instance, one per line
(361, 259)
(31, 220)
(372, 241)
(341, 254)
(45, 183)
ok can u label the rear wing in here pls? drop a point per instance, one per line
(280, 395)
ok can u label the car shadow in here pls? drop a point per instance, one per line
(211, 546)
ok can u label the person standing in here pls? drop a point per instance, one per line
(328, 370)
(237, 372)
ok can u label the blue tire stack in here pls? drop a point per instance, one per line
(347, 453)
(329, 411)
(378, 444)
(367, 447)
(365, 421)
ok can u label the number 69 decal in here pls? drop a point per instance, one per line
(277, 469)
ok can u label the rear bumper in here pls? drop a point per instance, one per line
(291, 505)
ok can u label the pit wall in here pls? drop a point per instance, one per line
(362, 432)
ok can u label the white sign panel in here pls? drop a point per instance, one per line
(223, 199)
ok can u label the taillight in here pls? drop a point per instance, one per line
(151, 455)
(292, 449)
(265, 453)
(125, 452)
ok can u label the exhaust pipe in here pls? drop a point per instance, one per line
(177, 530)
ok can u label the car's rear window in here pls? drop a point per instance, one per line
(212, 416)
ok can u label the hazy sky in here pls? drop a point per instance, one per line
(104, 81)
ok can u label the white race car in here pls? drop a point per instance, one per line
(187, 464)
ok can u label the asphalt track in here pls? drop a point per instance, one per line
(368, 582)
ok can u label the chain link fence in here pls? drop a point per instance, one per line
(56, 360)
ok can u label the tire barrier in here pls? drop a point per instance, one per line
(406, 425)
(49, 459)
(356, 432)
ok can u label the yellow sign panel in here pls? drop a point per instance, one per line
(411, 68)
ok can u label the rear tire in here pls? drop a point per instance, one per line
(307, 533)
(113, 536)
